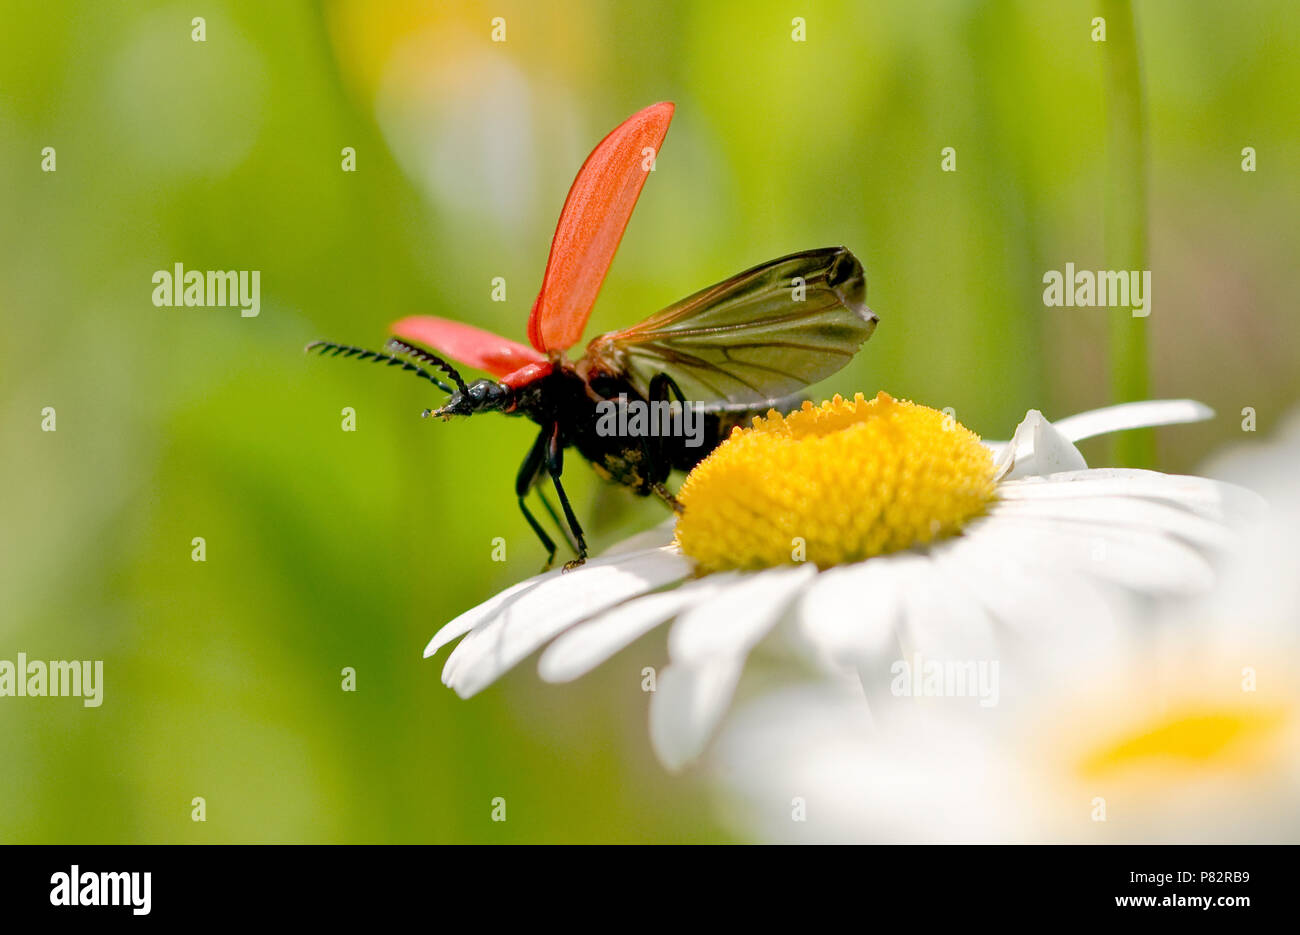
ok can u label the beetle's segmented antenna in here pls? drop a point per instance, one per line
(360, 353)
(398, 346)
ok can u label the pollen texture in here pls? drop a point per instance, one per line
(833, 484)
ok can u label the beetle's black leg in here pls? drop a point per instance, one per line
(528, 472)
(555, 518)
(554, 467)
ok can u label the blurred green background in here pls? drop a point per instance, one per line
(328, 549)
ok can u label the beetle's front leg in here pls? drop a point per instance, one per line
(554, 467)
(528, 472)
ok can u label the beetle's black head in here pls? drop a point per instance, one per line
(479, 396)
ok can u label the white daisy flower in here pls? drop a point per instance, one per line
(852, 529)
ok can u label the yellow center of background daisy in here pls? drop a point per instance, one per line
(832, 484)
(1224, 736)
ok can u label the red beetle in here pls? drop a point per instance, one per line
(722, 355)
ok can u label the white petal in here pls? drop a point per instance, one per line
(1107, 482)
(1143, 561)
(852, 613)
(1209, 498)
(1004, 454)
(591, 642)
(1121, 512)
(732, 622)
(476, 615)
(538, 614)
(1041, 615)
(941, 618)
(1145, 414)
(1038, 448)
(657, 537)
(686, 706)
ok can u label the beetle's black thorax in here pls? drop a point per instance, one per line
(629, 439)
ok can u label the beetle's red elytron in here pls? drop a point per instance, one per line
(734, 350)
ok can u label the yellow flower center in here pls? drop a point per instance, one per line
(1199, 736)
(833, 484)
